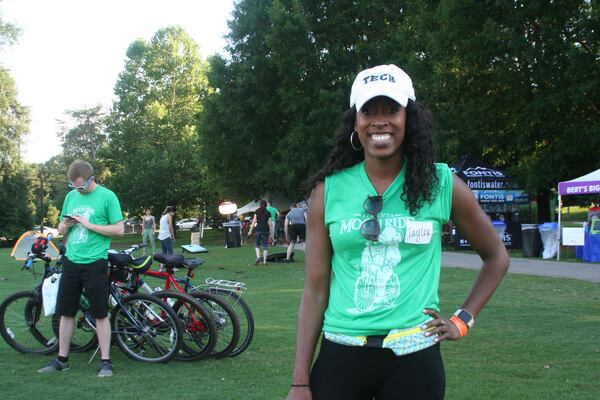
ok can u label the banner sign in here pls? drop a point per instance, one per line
(585, 187)
(479, 176)
(481, 184)
(501, 196)
(512, 238)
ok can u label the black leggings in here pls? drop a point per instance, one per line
(366, 373)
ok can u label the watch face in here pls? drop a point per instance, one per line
(465, 317)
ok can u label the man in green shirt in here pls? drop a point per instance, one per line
(274, 215)
(91, 214)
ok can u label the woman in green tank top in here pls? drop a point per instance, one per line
(373, 253)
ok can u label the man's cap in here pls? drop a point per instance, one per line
(383, 80)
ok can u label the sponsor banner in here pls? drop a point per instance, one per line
(482, 172)
(501, 196)
(480, 184)
(512, 238)
(584, 187)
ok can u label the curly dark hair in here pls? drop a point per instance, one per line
(418, 152)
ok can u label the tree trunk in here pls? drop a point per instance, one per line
(543, 206)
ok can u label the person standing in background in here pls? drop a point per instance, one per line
(262, 224)
(166, 232)
(274, 214)
(148, 233)
(295, 228)
(200, 225)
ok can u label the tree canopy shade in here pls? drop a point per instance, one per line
(8, 33)
(515, 83)
(284, 85)
(15, 217)
(84, 139)
(14, 125)
(153, 148)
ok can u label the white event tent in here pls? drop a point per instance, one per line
(586, 184)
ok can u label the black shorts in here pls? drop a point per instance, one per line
(92, 277)
(364, 373)
(297, 231)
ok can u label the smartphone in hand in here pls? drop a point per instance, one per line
(69, 217)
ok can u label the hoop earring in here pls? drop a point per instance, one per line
(352, 142)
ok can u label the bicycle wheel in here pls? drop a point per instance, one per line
(244, 314)
(199, 329)
(84, 336)
(226, 321)
(23, 325)
(146, 328)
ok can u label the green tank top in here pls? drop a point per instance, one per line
(383, 285)
(100, 207)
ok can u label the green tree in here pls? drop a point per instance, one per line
(52, 215)
(14, 121)
(16, 215)
(83, 135)
(283, 85)
(14, 118)
(9, 33)
(14, 124)
(516, 83)
(153, 149)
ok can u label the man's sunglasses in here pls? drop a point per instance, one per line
(82, 187)
(370, 229)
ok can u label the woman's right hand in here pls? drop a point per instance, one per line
(300, 393)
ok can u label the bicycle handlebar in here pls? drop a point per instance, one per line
(133, 248)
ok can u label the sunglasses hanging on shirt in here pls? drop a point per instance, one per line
(370, 229)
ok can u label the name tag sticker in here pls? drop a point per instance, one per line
(418, 232)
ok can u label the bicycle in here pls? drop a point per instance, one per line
(143, 327)
(23, 325)
(232, 292)
(199, 329)
(226, 320)
(229, 292)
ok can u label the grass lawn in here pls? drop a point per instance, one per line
(536, 339)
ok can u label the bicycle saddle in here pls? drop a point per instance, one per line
(171, 260)
(119, 260)
(191, 263)
(141, 264)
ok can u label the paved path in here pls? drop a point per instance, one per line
(529, 266)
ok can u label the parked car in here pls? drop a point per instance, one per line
(133, 225)
(47, 230)
(187, 223)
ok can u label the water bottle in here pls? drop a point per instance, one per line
(10, 333)
(145, 287)
(29, 262)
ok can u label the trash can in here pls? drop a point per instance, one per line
(233, 233)
(549, 235)
(500, 228)
(532, 242)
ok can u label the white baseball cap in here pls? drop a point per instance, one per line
(383, 80)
